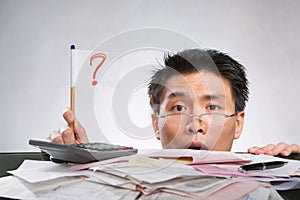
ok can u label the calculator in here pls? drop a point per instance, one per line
(82, 153)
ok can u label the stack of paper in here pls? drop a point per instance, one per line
(151, 176)
(185, 174)
(47, 180)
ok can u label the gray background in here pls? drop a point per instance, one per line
(34, 47)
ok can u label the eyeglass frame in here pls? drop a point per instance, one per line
(197, 115)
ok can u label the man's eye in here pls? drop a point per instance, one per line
(213, 107)
(178, 108)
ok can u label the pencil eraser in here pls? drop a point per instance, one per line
(72, 46)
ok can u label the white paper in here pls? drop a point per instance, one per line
(286, 184)
(12, 187)
(149, 170)
(62, 189)
(198, 156)
(35, 171)
(78, 57)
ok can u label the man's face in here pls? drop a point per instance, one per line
(197, 93)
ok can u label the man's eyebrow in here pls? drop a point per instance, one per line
(203, 97)
(176, 95)
(213, 96)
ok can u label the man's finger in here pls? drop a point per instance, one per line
(262, 150)
(58, 139)
(266, 148)
(294, 148)
(68, 136)
(253, 149)
(80, 134)
(69, 116)
(277, 149)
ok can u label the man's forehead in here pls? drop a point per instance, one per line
(184, 95)
(197, 85)
(198, 78)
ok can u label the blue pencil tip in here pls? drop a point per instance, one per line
(72, 46)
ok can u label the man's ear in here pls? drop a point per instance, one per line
(239, 124)
(151, 100)
(155, 126)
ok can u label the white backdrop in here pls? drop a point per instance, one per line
(264, 35)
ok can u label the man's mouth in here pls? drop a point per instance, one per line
(197, 146)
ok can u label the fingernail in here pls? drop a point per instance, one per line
(285, 153)
(258, 152)
(69, 117)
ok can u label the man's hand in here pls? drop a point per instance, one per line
(273, 150)
(68, 136)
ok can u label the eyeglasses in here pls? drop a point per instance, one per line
(186, 117)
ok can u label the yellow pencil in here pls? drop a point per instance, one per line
(72, 86)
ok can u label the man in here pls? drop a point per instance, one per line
(198, 99)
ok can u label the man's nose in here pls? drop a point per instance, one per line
(196, 125)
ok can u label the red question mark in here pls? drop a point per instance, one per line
(93, 57)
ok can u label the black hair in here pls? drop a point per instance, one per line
(193, 60)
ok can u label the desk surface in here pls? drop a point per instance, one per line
(11, 161)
